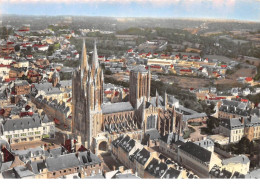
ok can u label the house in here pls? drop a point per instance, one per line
(85, 163)
(238, 164)
(27, 129)
(21, 87)
(236, 128)
(197, 159)
(142, 159)
(206, 143)
(127, 147)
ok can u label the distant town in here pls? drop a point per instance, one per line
(119, 98)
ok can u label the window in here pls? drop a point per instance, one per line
(30, 133)
(16, 135)
(23, 134)
(8, 136)
(37, 132)
(53, 173)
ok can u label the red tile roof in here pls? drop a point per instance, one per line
(248, 79)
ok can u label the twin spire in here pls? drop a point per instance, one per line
(84, 58)
(95, 64)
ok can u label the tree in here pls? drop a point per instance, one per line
(243, 145)
(4, 33)
(17, 48)
(29, 50)
(169, 48)
(108, 72)
(50, 50)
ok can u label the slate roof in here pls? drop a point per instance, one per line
(54, 152)
(233, 110)
(116, 107)
(65, 83)
(160, 102)
(156, 169)
(127, 144)
(116, 141)
(198, 152)
(23, 171)
(126, 176)
(52, 90)
(238, 175)
(140, 68)
(142, 156)
(171, 173)
(4, 143)
(98, 176)
(237, 159)
(172, 138)
(42, 86)
(153, 134)
(193, 116)
(21, 83)
(88, 158)
(62, 162)
(217, 172)
(233, 123)
(25, 155)
(22, 123)
(133, 156)
(255, 174)
(252, 121)
(186, 111)
(205, 143)
(172, 99)
(37, 166)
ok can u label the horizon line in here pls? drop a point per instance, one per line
(146, 17)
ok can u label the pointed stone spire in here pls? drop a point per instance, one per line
(157, 98)
(165, 100)
(95, 64)
(84, 59)
(102, 75)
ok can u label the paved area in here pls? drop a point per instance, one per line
(52, 143)
(197, 135)
(33, 144)
(110, 163)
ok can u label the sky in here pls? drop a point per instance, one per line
(215, 9)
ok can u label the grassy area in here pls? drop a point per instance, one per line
(186, 133)
(195, 124)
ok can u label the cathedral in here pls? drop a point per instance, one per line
(96, 123)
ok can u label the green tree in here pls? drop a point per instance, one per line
(243, 145)
(17, 48)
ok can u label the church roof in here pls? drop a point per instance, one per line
(139, 68)
(116, 107)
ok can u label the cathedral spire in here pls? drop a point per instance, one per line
(102, 75)
(95, 64)
(157, 98)
(84, 59)
(165, 100)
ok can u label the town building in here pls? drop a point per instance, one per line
(27, 128)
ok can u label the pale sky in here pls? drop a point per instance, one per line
(218, 9)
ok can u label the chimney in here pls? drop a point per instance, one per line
(242, 120)
(163, 160)
(121, 169)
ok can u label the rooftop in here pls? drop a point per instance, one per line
(116, 107)
(242, 159)
(198, 152)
